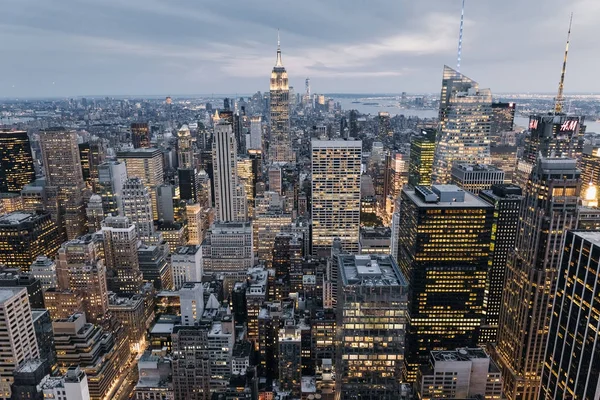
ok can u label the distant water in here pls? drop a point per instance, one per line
(390, 104)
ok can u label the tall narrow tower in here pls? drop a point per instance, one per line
(280, 146)
(560, 99)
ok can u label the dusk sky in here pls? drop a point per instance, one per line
(171, 47)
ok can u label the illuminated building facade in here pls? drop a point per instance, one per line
(554, 136)
(372, 321)
(227, 249)
(17, 335)
(247, 177)
(92, 154)
(336, 172)
(503, 118)
(573, 354)
(186, 172)
(505, 158)
(444, 251)
(137, 206)
(120, 253)
(465, 123)
(466, 373)
(140, 135)
(186, 264)
(507, 200)
(230, 197)
(476, 177)
(64, 179)
(24, 236)
(589, 164)
(280, 144)
(549, 208)
(16, 162)
(111, 177)
(146, 164)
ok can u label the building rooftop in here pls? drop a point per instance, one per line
(476, 167)
(464, 354)
(17, 217)
(8, 293)
(187, 250)
(591, 236)
(444, 196)
(370, 270)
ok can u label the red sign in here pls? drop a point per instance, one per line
(533, 124)
(570, 125)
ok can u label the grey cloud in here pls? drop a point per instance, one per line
(86, 47)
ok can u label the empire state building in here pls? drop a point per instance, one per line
(280, 146)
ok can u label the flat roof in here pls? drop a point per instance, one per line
(8, 292)
(370, 270)
(471, 201)
(16, 217)
(590, 236)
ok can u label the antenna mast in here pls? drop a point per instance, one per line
(460, 35)
(560, 99)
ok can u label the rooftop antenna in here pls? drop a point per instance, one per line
(460, 35)
(560, 99)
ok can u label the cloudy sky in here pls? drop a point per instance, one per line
(160, 47)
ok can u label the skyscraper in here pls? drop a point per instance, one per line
(422, 150)
(92, 154)
(111, 177)
(476, 177)
(549, 208)
(573, 354)
(255, 133)
(16, 162)
(506, 200)
(24, 236)
(140, 135)
(230, 198)
(186, 172)
(280, 144)
(120, 253)
(137, 206)
(17, 335)
(443, 250)
(503, 118)
(146, 164)
(64, 178)
(554, 136)
(336, 169)
(371, 320)
(465, 122)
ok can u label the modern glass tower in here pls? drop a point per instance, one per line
(280, 145)
(336, 168)
(422, 150)
(465, 123)
(444, 252)
(573, 354)
(549, 209)
(16, 162)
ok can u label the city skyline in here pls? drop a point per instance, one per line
(128, 48)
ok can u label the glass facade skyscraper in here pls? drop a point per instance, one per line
(16, 162)
(465, 123)
(422, 150)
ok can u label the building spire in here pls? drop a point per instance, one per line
(278, 63)
(460, 35)
(560, 99)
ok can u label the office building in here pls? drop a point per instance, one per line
(137, 207)
(372, 321)
(62, 303)
(42, 325)
(503, 118)
(73, 385)
(111, 178)
(27, 376)
(129, 311)
(466, 373)
(155, 377)
(269, 220)
(289, 354)
(98, 353)
(24, 236)
(554, 136)
(140, 135)
(197, 223)
(191, 362)
(11, 202)
(446, 264)
(549, 208)
(186, 265)
(275, 179)
(507, 201)
(64, 178)
(230, 196)
(17, 335)
(81, 270)
(95, 213)
(336, 170)
(375, 240)
(569, 370)
(154, 265)
(255, 142)
(476, 177)
(280, 143)
(247, 176)
(91, 154)
(465, 123)
(16, 162)
(13, 278)
(227, 250)
(505, 158)
(147, 165)
(589, 164)
(121, 257)
(44, 269)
